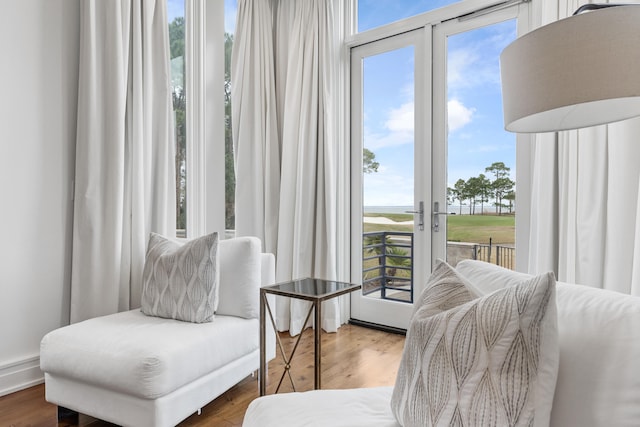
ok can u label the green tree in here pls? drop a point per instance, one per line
(510, 197)
(501, 184)
(396, 257)
(229, 175)
(180, 159)
(484, 191)
(369, 164)
(176, 45)
(478, 190)
(498, 169)
(176, 37)
(375, 246)
(474, 191)
(460, 191)
(501, 188)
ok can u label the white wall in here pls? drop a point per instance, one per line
(38, 78)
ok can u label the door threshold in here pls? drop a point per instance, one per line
(377, 326)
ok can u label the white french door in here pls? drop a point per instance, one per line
(390, 125)
(467, 88)
(404, 113)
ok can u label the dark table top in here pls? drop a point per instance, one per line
(311, 289)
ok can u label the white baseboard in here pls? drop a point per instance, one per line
(21, 374)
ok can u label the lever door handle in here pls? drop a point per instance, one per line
(435, 223)
(420, 213)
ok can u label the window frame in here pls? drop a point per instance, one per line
(204, 82)
(525, 147)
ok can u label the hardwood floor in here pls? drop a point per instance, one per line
(353, 357)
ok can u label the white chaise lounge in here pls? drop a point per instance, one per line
(136, 370)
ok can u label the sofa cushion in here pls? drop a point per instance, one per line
(599, 334)
(479, 361)
(240, 274)
(145, 356)
(445, 289)
(181, 281)
(361, 407)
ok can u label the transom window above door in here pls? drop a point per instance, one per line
(375, 13)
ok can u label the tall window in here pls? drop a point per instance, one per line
(231, 7)
(175, 13)
(200, 52)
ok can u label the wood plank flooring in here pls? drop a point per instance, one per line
(353, 357)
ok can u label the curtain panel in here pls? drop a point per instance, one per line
(124, 152)
(585, 212)
(256, 141)
(284, 68)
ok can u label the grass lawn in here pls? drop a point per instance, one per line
(460, 228)
(480, 228)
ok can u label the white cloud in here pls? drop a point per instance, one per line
(459, 115)
(388, 188)
(399, 126)
(397, 130)
(468, 68)
(459, 61)
(401, 119)
(375, 141)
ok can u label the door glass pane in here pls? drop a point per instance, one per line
(375, 13)
(481, 154)
(388, 186)
(230, 11)
(175, 13)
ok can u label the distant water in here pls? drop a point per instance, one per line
(403, 209)
(387, 209)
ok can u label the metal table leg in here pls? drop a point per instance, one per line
(318, 344)
(263, 344)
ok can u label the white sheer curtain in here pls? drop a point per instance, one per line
(585, 198)
(297, 40)
(125, 178)
(254, 120)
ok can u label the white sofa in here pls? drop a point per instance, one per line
(137, 370)
(598, 382)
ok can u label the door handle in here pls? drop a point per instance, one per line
(420, 213)
(435, 224)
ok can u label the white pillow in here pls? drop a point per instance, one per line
(240, 277)
(489, 277)
(485, 361)
(180, 281)
(599, 334)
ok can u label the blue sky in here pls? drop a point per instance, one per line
(476, 137)
(374, 13)
(176, 8)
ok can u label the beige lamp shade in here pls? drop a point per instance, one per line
(580, 71)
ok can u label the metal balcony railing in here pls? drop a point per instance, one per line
(387, 257)
(388, 265)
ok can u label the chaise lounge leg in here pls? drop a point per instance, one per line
(67, 417)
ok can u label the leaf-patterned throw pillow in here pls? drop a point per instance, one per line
(181, 281)
(488, 361)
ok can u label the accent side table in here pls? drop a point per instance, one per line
(313, 290)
